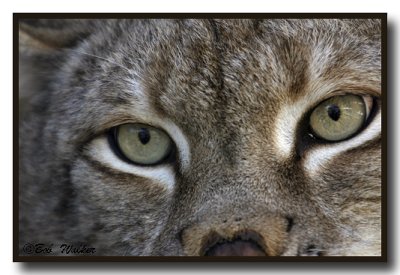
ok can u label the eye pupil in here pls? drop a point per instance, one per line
(144, 136)
(334, 112)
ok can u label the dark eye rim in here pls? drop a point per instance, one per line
(112, 137)
(306, 138)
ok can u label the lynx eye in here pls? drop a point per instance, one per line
(142, 144)
(340, 117)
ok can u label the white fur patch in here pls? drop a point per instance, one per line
(285, 126)
(100, 150)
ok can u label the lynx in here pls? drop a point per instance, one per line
(189, 137)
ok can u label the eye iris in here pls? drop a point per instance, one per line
(334, 112)
(142, 144)
(144, 135)
(338, 117)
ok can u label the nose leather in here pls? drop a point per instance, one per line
(236, 248)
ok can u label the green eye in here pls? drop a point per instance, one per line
(143, 144)
(340, 117)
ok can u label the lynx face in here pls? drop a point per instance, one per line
(202, 137)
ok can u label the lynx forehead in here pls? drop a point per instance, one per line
(202, 137)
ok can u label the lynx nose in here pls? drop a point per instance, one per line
(245, 244)
(235, 248)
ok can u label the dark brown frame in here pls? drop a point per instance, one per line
(384, 87)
